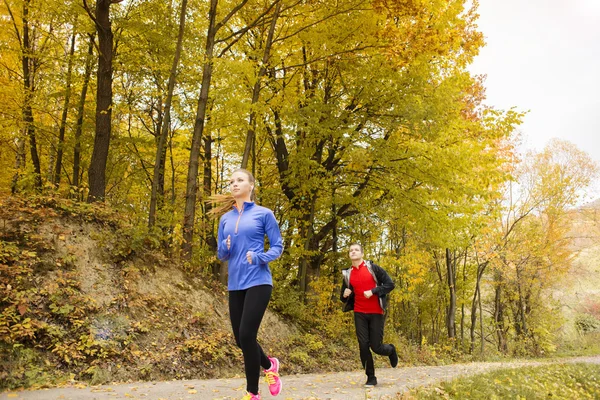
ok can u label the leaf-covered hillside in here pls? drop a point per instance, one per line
(81, 299)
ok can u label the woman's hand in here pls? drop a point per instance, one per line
(228, 242)
(249, 257)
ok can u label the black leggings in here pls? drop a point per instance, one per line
(246, 309)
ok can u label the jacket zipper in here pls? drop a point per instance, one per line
(238, 221)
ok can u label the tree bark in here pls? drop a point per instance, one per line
(81, 110)
(97, 170)
(218, 268)
(19, 164)
(63, 118)
(156, 198)
(451, 310)
(520, 318)
(307, 232)
(482, 336)
(29, 87)
(499, 314)
(476, 296)
(192, 176)
(462, 307)
(250, 135)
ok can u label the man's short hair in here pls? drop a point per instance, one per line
(356, 244)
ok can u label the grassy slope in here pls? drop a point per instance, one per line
(559, 381)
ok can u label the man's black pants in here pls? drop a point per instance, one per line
(369, 331)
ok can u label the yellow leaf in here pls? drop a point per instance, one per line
(192, 391)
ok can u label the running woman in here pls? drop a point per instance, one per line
(241, 242)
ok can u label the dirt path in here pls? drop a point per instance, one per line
(344, 385)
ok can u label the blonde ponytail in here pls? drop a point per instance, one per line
(221, 203)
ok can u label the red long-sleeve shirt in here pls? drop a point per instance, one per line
(361, 280)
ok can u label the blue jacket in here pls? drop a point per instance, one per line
(247, 229)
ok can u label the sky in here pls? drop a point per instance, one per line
(543, 56)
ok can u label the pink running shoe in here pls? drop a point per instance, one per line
(250, 396)
(272, 377)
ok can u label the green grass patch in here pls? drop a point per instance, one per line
(555, 381)
(587, 344)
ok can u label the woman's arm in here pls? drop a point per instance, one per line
(275, 241)
(223, 252)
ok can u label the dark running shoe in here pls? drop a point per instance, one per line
(371, 382)
(394, 358)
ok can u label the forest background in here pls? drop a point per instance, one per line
(361, 122)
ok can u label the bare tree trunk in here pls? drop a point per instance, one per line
(51, 159)
(476, 296)
(192, 176)
(474, 317)
(28, 86)
(19, 164)
(81, 109)
(211, 240)
(451, 277)
(499, 315)
(520, 319)
(256, 90)
(173, 197)
(462, 307)
(159, 163)
(309, 245)
(63, 118)
(97, 170)
(482, 336)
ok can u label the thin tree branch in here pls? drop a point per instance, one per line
(231, 14)
(319, 21)
(12, 17)
(326, 57)
(242, 31)
(89, 12)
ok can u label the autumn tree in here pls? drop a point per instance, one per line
(104, 98)
(535, 251)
